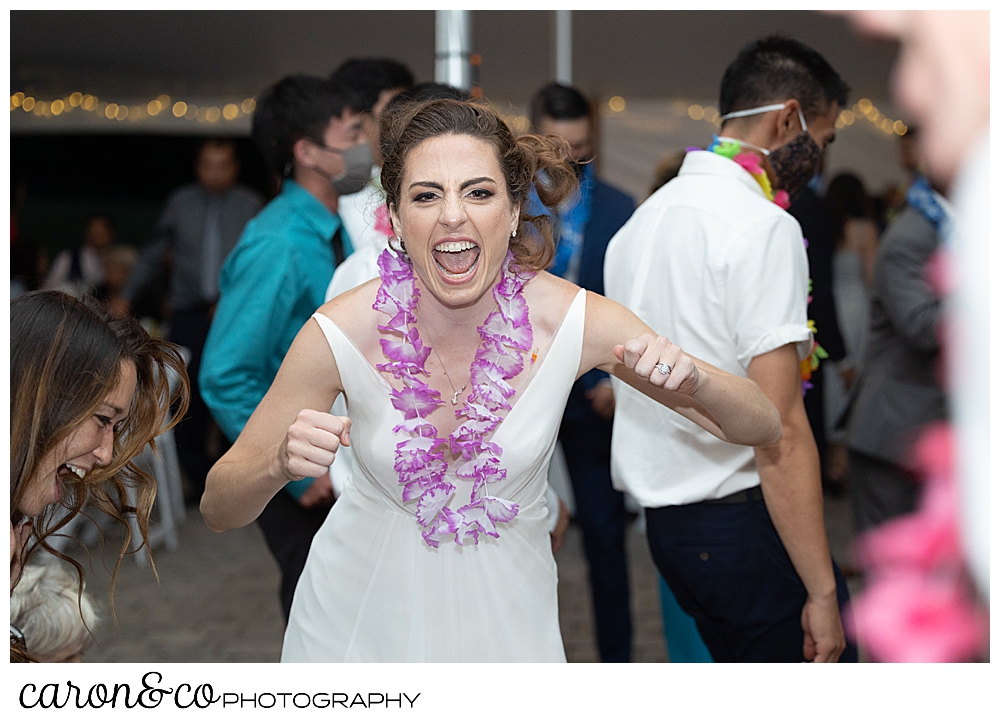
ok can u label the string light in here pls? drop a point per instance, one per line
(616, 104)
(864, 108)
(89, 103)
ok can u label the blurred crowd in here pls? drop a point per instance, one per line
(235, 274)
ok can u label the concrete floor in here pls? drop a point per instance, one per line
(216, 598)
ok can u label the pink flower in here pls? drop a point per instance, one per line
(383, 222)
(782, 199)
(432, 502)
(938, 273)
(476, 520)
(499, 510)
(444, 525)
(506, 331)
(911, 618)
(416, 399)
(417, 427)
(934, 452)
(510, 364)
(465, 436)
(918, 541)
(749, 161)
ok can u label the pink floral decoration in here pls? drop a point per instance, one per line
(749, 161)
(383, 223)
(917, 606)
(938, 273)
(419, 462)
(909, 617)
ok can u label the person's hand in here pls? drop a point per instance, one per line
(824, 634)
(18, 542)
(319, 493)
(311, 443)
(602, 400)
(646, 356)
(558, 535)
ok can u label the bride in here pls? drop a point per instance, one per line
(455, 365)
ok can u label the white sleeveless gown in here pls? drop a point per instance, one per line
(373, 590)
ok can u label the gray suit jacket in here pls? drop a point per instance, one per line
(898, 390)
(180, 229)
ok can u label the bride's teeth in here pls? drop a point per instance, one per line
(76, 470)
(455, 246)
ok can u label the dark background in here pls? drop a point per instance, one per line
(127, 171)
(57, 181)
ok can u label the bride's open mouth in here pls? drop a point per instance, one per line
(457, 259)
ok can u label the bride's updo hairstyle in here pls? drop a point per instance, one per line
(542, 161)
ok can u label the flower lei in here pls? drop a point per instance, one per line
(751, 164)
(420, 462)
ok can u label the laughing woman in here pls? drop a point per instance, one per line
(87, 394)
(456, 366)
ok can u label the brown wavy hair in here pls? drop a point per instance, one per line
(66, 356)
(525, 161)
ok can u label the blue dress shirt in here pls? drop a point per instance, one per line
(271, 283)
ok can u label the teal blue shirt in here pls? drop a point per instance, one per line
(271, 283)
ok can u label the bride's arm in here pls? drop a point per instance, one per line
(732, 408)
(290, 435)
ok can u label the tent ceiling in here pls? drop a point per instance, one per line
(135, 54)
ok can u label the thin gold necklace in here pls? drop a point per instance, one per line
(457, 392)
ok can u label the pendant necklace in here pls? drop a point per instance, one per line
(458, 392)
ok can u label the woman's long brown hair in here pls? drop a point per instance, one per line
(66, 357)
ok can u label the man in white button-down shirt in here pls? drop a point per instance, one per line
(713, 263)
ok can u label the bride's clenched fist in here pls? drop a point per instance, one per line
(311, 443)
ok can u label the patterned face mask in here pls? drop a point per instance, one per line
(794, 163)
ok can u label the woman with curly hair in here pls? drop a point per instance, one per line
(456, 365)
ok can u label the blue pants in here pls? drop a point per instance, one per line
(729, 570)
(600, 512)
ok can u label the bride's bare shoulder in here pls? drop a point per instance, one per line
(549, 298)
(352, 310)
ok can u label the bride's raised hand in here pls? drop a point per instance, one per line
(311, 443)
(660, 362)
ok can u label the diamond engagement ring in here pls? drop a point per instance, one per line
(663, 368)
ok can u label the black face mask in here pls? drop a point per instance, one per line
(796, 162)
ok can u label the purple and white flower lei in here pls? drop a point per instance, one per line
(506, 335)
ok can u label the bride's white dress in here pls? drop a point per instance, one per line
(373, 590)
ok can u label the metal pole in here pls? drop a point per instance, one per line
(564, 47)
(454, 47)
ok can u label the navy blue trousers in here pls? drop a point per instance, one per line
(728, 569)
(600, 512)
(289, 529)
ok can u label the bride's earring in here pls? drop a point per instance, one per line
(399, 247)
